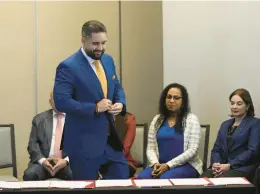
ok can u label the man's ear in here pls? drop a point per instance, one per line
(83, 40)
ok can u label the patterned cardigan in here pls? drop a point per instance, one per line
(192, 132)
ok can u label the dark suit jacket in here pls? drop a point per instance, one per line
(76, 91)
(244, 152)
(41, 136)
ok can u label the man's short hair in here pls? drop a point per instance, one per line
(92, 26)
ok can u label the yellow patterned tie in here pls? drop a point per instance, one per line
(101, 76)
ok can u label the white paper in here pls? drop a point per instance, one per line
(229, 181)
(190, 181)
(114, 183)
(35, 184)
(10, 185)
(152, 182)
(70, 184)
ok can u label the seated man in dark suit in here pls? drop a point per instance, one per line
(46, 158)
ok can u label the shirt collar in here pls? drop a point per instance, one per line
(90, 60)
(54, 113)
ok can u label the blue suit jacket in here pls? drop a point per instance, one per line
(244, 152)
(76, 92)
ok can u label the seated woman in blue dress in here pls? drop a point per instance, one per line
(236, 150)
(173, 138)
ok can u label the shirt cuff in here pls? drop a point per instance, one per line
(67, 159)
(171, 164)
(41, 161)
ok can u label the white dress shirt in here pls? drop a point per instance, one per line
(90, 60)
(53, 137)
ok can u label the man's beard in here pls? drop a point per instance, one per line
(91, 54)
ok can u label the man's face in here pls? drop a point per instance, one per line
(95, 45)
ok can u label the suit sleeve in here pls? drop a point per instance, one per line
(63, 94)
(215, 153)
(119, 94)
(130, 133)
(252, 149)
(33, 146)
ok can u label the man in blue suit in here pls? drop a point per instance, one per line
(88, 91)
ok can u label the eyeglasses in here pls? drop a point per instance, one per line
(175, 98)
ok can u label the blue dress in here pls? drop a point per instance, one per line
(170, 145)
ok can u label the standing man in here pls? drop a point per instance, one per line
(88, 91)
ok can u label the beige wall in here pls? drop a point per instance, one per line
(58, 27)
(27, 57)
(142, 67)
(212, 48)
(59, 35)
(17, 72)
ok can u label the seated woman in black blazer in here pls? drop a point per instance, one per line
(236, 150)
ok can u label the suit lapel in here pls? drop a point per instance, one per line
(243, 125)
(91, 76)
(225, 132)
(49, 126)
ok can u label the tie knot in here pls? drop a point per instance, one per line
(59, 115)
(96, 63)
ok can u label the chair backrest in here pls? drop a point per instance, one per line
(138, 148)
(204, 145)
(7, 148)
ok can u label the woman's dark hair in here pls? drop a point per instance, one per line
(246, 97)
(185, 108)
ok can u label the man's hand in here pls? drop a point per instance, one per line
(222, 168)
(162, 169)
(59, 164)
(104, 105)
(46, 164)
(116, 108)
